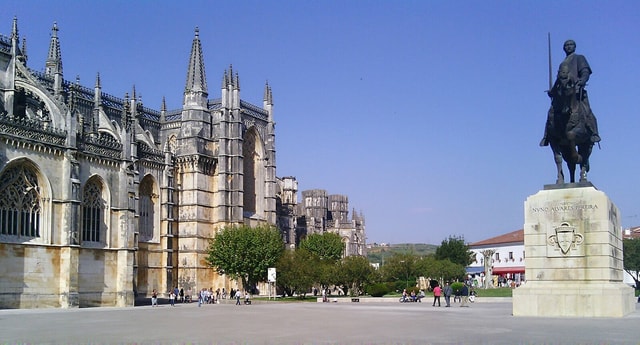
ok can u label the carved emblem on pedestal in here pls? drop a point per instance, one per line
(566, 237)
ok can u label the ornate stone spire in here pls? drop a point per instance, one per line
(225, 80)
(23, 50)
(126, 113)
(268, 96)
(196, 77)
(14, 30)
(15, 37)
(163, 110)
(53, 65)
(97, 97)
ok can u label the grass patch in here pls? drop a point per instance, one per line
(495, 292)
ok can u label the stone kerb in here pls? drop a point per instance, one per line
(573, 249)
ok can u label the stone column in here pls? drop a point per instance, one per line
(124, 285)
(69, 263)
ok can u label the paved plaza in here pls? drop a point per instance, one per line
(484, 322)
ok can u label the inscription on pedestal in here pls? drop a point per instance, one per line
(565, 226)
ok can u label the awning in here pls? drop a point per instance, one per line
(504, 270)
(474, 269)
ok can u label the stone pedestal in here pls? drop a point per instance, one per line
(573, 251)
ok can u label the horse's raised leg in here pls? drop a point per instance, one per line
(576, 158)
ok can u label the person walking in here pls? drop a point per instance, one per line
(238, 296)
(437, 291)
(181, 295)
(154, 298)
(465, 295)
(172, 298)
(448, 291)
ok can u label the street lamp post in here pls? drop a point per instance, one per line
(406, 271)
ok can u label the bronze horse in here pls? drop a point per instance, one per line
(568, 134)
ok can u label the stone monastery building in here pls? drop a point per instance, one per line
(103, 199)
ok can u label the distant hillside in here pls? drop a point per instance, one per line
(376, 254)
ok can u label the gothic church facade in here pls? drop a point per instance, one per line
(103, 199)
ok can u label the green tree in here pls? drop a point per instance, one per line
(245, 252)
(297, 272)
(631, 248)
(450, 271)
(440, 270)
(327, 273)
(354, 272)
(401, 267)
(456, 250)
(327, 246)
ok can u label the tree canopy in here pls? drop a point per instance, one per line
(454, 249)
(401, 267)
(245, 252)
(441, 270)
(631, 248)
(327, 246)
(354, 272)
(297, 272)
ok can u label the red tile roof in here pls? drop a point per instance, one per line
(512, 237)
(633, 232)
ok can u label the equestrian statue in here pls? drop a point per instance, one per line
(571, 128)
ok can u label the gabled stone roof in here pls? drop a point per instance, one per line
(512, 237)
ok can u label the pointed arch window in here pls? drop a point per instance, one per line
(249, 178)
(93, 206)
(20, 202)
(147, 210)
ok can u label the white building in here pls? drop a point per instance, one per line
(507, 261)
(509, 258)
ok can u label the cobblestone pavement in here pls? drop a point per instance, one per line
(309, 323)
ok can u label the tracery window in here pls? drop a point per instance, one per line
(20, 202)
(93, 206)
(249, 178)
(146, 220)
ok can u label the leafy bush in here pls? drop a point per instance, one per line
(400, 285)
(391, 286)
(457, 286)
(378, 290)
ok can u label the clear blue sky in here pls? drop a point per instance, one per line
(427, 114)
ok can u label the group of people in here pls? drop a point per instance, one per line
(204, 296)
(461, 295)
(412, 296)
